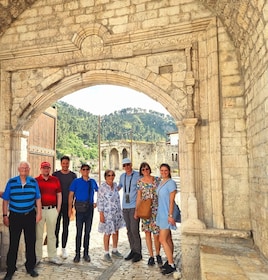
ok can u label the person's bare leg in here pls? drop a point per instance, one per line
(106, 242)
(115, 239)
(157, 244)
(149, 243)
(170, 242)
(167, 244)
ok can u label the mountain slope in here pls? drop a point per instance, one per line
(77, 130)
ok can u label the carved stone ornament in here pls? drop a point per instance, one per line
(190, 130)
(92, 46)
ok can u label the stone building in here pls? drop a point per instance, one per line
(113, 152)
(205, 61)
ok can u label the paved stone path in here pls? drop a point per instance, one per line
(98, 269)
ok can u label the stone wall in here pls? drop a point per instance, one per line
(205, 61)
(153, 153)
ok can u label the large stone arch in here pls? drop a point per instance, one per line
(67, 80)
(205, 61)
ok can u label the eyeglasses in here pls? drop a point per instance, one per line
(126, 164)
(109, 175)
(85, 169)
(146, 168)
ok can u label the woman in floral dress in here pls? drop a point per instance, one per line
(111, 216)
(147, 186)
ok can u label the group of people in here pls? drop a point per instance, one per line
(31, 203)
(162, 191)
(138, 186)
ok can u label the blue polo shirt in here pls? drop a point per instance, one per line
(21, 198)
(129, 185)
(81, 190)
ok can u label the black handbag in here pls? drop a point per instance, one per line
(81, 206)
(176, 213)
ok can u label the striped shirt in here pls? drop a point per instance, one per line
(21, 197)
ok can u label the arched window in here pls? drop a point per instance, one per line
(124, 153)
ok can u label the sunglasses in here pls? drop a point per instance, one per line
(146, 168)
(85, 169)
(126, 164)
(110, 175)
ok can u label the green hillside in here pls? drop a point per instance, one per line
(77, 130)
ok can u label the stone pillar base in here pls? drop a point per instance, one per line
(192, 224)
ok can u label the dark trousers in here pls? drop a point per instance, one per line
(133, 230)
(17, 224)
(65, 226)
(83, 220)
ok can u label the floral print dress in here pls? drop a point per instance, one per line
(108, 202)
(148, 190)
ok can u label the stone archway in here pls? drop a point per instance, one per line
(205, 61)
(114, 159)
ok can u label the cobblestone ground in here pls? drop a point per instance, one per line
(97, 268)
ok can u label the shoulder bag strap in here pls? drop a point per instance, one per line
(89, 188)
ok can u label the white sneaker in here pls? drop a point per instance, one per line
(64, 254)
(55, 260)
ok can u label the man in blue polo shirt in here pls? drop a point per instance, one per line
(20, 198)
(82, 189)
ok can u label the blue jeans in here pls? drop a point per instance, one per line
(83, 219)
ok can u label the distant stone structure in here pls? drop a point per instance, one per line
(205, 61)
(113, 152)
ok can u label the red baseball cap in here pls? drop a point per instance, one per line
(45, 164)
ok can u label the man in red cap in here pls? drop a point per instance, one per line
(51, 199)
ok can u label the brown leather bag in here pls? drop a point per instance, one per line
(144, 210)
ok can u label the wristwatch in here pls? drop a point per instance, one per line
(4, 215)
(170, 215)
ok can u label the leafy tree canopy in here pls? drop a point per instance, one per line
(77, 130)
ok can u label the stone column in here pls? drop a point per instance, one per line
(192, 221)
(5, 151)
(19, 140)
(15, 150)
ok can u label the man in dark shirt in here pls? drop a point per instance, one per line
(66, 177)
(22, 196)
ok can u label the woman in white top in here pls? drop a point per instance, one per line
(111, 216)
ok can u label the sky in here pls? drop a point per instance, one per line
(105, 99)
